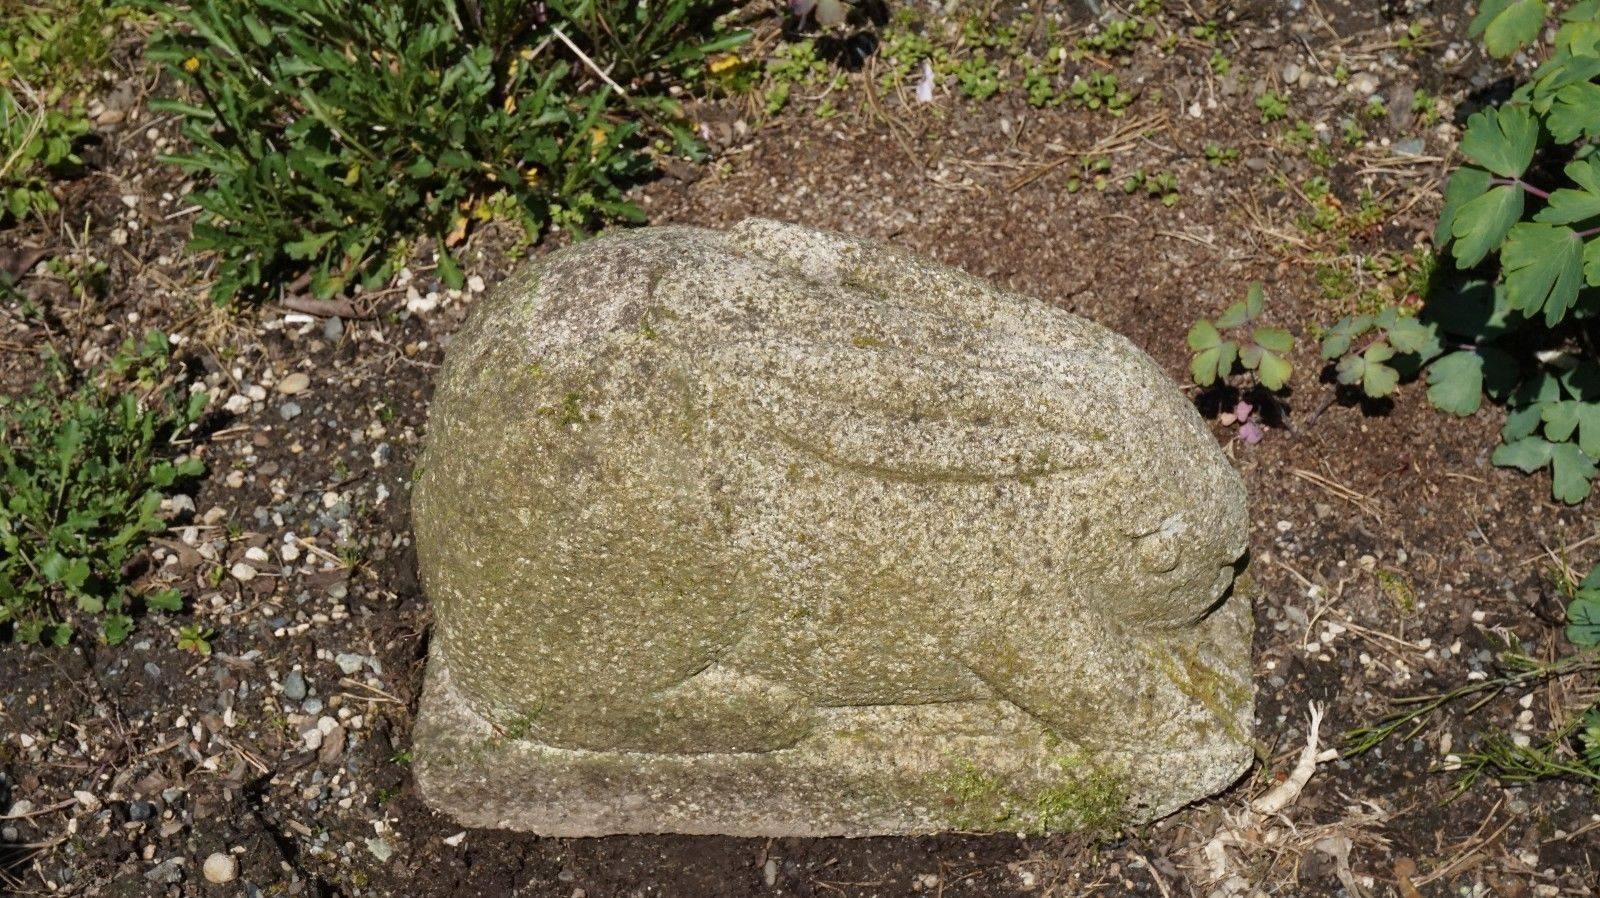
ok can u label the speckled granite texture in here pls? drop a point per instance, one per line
(773, 531)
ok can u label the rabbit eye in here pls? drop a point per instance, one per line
(1158, 551)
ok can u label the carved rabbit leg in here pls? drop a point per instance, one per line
(1116, 690)
(715, 710)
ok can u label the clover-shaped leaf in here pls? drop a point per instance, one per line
(1481, 224)
(1369, 371)
(1466, 185)
(1506, 25)
(1501, 139)
(1544, 267)
(1336, 341)
(1571, 469)
(1583, 618)
(1567, 206)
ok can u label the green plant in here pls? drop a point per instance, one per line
(81, 485)
(1038, 80)
(1543, 239)
(1372, 352)
(1161, 185)
(1118, 36)
(1261, 352)
(1519, 672)
(1208, 32)
(1425, 107)
(1415, 39)
(1274, 107)
(979, 78)
(1219, 156)
(49, 55)
(1219, 63)
(325, 132)
(1097, 169)
(1571, 750)
(792, 65)
(1100, 91)
(195, 638)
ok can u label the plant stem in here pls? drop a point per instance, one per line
(1518, 182)
(1419, 708)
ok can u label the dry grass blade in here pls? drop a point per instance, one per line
(1121, 138)
(1366, 503)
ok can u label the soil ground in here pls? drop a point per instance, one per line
(1391, 558)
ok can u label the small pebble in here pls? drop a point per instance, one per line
(294, 686)
(220, 868)
(289, 411)
(296, 382)
(169, 871)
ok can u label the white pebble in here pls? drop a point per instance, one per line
(220, 868)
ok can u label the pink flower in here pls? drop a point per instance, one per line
(1251, 433)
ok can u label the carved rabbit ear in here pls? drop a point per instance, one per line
(885, 271)
(839, 259)
(894, 413)
(822, 256)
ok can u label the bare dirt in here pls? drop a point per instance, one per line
(1391, 558)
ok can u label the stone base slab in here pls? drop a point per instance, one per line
(878, 770)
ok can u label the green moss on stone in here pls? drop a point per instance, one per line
(1086, 797)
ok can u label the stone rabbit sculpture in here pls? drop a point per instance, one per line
(691, 493)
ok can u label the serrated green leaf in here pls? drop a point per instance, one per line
(1575, 111)
(1378, 380)
(1274, 371)
(1560, 420)
(1233, 316)
(1527, 455)
(1591, 262)
(1203, 335)
(1250, 356)
(1273, 339)
(1592, 580)
(1466, 185)
(1544, 269)
(1502, 140)
(1567, 206)
(1583, 618)
(1521, 423)
(1336, 341)
(1254, 299)
(1506, 25)
(1588, 415)
(164, 600)
(1351, 369)
(1571, 471)
(1410, 335)
(1455, 383)
(308, 246)
(1482, 224)
(114, 628)
(1227, 354)
(1203, 366)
